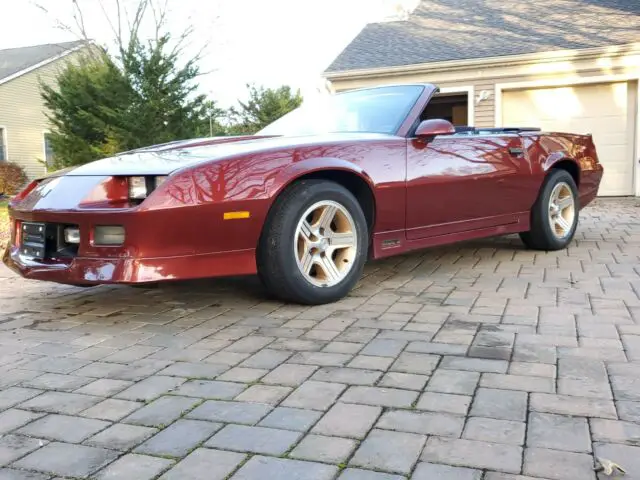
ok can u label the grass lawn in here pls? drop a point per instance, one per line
(4, 223)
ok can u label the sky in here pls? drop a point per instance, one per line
(267, 42)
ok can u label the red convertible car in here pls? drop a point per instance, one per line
(306, 201)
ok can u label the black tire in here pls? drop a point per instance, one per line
(541, 236)
(277, 266)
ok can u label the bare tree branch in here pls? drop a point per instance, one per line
(134, 27)
(56, 21)
(79, 19)
(126, 27)
(159, 17)
(119, 13)
(115, 29)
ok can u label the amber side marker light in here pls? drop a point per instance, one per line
(236, 215)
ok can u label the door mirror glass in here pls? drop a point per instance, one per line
(433, 127)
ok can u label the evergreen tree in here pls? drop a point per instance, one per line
(210, 125)
(264, 106)
(84, 107)
(144, 95)
(165, 105)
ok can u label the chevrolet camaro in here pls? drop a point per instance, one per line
(364, 174)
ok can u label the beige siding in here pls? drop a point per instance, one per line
(484, 110)
(23, 117)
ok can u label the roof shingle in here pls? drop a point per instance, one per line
(441, 30)
(14, 60)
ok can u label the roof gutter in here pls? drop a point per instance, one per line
(501, 61)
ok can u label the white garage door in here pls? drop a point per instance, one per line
(604, 110)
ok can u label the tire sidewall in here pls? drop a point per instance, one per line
(294, 210)
(558, 176)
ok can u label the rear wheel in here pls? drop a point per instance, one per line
(314, 243)
(554, 216)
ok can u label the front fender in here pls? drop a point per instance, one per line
(296, 170)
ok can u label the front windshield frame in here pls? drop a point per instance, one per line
(300, 121)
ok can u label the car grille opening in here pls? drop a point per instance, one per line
(44, 241)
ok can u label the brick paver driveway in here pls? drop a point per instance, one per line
(480, 360)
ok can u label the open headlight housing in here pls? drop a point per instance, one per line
(141, 187)
(138, 188)
(122, 191)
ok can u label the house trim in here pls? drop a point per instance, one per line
(5, 142)
(636, 153)
(486, 62)
(42, 64)
(44, 150)
(563, 82)
(471, 101)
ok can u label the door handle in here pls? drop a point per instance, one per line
(516, 151)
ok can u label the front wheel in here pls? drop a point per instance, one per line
(554, 216)
(314, 244)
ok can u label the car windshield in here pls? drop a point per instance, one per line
(375, 110)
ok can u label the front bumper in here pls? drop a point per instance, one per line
(173, 235)
(96, 271)
(153, 251)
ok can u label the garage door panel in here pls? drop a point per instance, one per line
(601, 110)
(614, 184)
(613, 140)
(612, 132)
(597, 125)
(610, 139)
(618, 120)
(614, 157)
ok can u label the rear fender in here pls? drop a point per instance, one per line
(558, 156)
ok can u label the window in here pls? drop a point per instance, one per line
(3, 146)
(375, 110)
(48, 150)
(452, 108)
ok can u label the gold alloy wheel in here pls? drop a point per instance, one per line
(562, 210)
(326, 243)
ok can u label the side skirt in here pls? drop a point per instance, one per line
(388, 244)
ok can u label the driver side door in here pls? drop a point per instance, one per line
(458, 183)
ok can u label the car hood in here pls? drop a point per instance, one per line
(167, 158)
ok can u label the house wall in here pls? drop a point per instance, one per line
(22, 115)
(484, 77)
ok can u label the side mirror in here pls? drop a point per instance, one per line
(433, 127)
